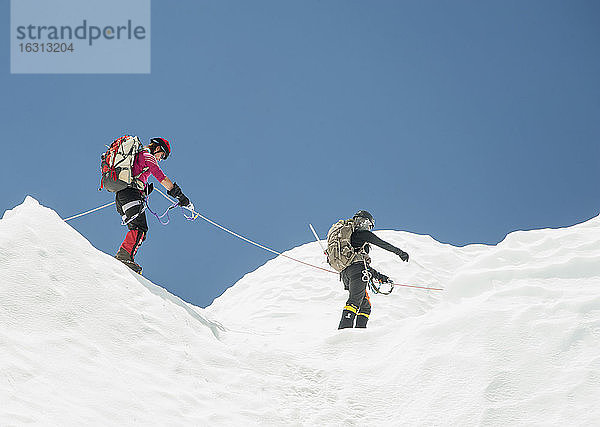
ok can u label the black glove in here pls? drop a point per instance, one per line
(383, 278)
(149, 188)
(176, 192)
(184, 201)
(403, 255)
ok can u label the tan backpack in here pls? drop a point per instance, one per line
(340, 253)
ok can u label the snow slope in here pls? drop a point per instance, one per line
(513, 340)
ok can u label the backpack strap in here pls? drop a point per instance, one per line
(142, 172)
(146, 168)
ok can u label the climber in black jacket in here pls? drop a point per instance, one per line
(358, 305)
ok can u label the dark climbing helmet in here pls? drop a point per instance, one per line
(163, 144)
(366, 215)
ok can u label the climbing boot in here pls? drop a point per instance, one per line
(347, 320)
(125, 257)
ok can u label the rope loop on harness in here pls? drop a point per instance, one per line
(160, 217)
(166, 213)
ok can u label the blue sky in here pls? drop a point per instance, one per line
(463, 120)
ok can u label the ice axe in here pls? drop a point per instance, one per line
(317, 237)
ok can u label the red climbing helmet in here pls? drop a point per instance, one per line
(163, 144)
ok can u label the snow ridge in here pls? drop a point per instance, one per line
(511, 341)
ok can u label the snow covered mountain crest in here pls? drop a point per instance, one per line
(513, 340)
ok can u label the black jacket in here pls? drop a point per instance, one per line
(360, 237)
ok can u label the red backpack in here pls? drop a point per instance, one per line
(116, 165)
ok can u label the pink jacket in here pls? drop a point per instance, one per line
(146, 160)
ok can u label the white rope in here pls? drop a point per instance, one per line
(196, 215)
(89, 212)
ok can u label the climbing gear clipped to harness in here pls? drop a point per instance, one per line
(163, 144)
(367, 276)
(160, 217)
(377, 289)
(174, 205)
(340, 253)
(116, 165)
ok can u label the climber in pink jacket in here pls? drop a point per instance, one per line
(130, 201)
